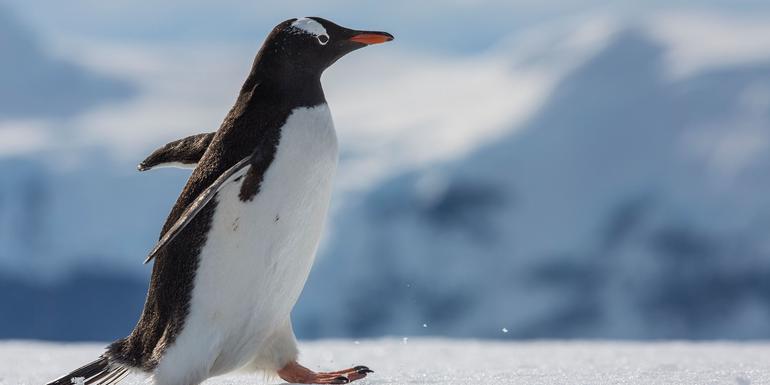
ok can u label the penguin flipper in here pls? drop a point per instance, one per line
(233, 173)
(183, 153)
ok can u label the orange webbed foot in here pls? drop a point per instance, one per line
(298, 374)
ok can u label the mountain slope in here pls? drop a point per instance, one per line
(36, 84)
(632, 205)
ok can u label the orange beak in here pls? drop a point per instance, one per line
(369, 38)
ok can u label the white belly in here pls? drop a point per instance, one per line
(258, 254)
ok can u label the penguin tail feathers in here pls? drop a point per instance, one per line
(99, 372)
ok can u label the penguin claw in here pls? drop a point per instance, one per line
(340, 380)
(361, 369)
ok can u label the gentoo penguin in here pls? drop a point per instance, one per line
(237, 247)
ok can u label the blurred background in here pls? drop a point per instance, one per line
(509, 169)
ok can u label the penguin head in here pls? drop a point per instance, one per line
(312, 44)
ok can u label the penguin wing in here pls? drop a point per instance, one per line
(232, 174)
(183, 153)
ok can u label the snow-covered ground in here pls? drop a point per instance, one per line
(441, 361)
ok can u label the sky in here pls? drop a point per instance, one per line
(458, 27)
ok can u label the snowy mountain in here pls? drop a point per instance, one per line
(617, 199)
(35, 83)
(58, 265)
(632, 205)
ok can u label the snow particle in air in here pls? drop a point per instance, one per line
(405, 340)
(425, 325)
(505, 330)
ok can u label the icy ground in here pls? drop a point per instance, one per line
(448, 362)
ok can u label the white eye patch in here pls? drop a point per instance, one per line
(311, 27)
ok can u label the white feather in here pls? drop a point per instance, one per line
(309, 26)
(256, 260)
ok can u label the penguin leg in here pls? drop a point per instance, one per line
(279, 355)
(298, 374)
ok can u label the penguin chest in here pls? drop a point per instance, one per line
(259, 252)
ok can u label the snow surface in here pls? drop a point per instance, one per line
(441, 361)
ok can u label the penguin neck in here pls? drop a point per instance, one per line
(282, 83)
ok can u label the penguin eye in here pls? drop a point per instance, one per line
(323, 39)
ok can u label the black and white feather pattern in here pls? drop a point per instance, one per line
(99, 372)
(232, 174)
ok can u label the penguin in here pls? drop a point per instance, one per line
(239, 243)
